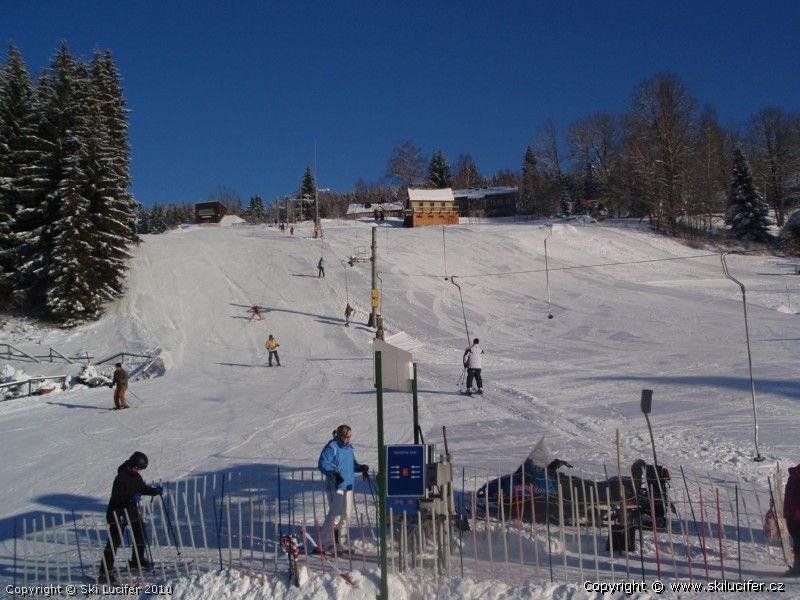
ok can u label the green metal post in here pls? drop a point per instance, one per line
(384, 591)
(416, 405)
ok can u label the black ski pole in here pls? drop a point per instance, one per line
(169, 525)
(691, 506)
(77, 540)
(148, 551)
(216, 527)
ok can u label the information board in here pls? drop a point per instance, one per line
(405, 470)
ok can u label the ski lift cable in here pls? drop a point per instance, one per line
(567, 268)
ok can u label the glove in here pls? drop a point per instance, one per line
(111, 385)
(338, 478)
(159, 490)
(364, 470)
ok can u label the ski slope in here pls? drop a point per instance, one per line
(674, 326)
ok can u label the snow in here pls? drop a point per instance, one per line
(672, 326)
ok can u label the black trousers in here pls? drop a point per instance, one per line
(115, 541)
(476, 374)
(321, 272)
(278, 360)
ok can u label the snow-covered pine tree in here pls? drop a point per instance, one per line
(104, 186)
(76, 274)
(20, 176)
(57, 95)
(307, 191)
(115, 115)
(528, 185)
(747, 213)
(439, 174)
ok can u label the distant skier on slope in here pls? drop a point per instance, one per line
(291, 230)
(348, 312)
(272, 346)
(321, 267)
(473, 363)
(338, 463)
(255, 313)
(123, 511)
(121, 381)
(791, 512)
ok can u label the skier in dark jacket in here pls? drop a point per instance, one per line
(321, 267)
(791, 512)
(122, 511)
(121, 381)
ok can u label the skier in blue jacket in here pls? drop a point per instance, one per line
(338, 463)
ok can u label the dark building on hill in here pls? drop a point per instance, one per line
(486, 202)
(209, 212)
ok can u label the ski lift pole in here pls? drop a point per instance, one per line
(547, 272)
(346, 288)
(463, 311)
(758, 457)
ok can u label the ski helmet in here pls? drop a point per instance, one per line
(138, 460)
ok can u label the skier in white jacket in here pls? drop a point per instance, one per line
(473, 364)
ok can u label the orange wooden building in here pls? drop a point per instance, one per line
(430, 207)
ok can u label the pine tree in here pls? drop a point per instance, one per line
(142, 220)
(747, 214)
(158, 219)
(529, 185)
(106, 181)
(307, 195)
(255, 210)
(439, 175)
(20, 176)
(60, 138)
(115, 113)
(74, 276)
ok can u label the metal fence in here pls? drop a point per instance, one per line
(235, 520)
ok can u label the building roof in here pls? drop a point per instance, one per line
(441, 195)
(358, 208)
(476, 193)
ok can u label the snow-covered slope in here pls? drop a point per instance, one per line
(674, 326)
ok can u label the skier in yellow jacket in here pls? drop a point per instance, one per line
(272, 347)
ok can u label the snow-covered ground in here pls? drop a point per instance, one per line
(673, 326)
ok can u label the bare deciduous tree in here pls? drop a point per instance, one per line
(661, 131)
(406, 165)
(775, 146)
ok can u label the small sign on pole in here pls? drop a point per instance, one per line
(397, 369)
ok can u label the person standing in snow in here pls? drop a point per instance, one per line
(338, 463)
(291, 230)
(791, 512)
(122, 511)
(120, 380)
(321, 267)
(473, 364)
(348, 312)
(272, 347)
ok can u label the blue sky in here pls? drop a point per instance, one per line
(237, 93)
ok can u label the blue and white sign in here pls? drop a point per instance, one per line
(405, 470)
